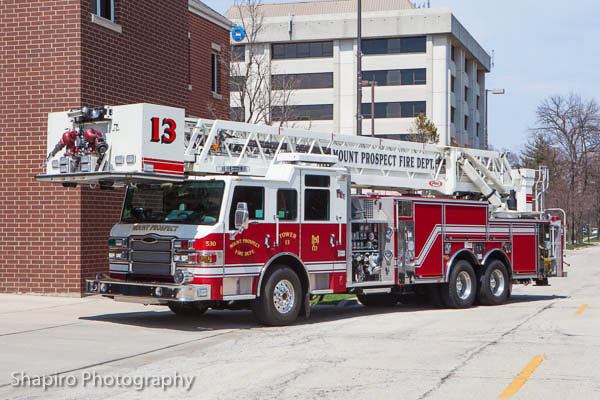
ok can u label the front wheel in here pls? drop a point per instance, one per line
(280, 299)
(461, 289)
(494, 286)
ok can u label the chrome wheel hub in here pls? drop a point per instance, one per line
(284, 296)
(464, 285)
(497, 282)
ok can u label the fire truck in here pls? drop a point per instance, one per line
(221, 214)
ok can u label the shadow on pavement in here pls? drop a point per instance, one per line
(214, 320)
(239, 319)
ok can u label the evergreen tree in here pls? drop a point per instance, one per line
(423, 131)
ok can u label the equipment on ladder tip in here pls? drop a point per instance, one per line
(81, 141)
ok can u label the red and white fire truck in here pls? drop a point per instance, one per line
(221, 214)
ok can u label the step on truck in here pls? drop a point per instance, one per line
(222, 214)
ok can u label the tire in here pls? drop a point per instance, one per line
(461, 289)
(378, 299)
(186, 309)
(494, 286)
(280, 299)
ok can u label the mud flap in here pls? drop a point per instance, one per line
(305, 307)
(542, 282)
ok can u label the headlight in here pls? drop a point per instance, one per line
(180, 258)
(119, 255)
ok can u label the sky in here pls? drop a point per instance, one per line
(541, 48)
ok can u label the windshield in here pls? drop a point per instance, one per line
(194, 203)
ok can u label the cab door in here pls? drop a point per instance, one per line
(324, 215)
(247, 251)
(287, 219)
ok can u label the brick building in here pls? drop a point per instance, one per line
(62, 54)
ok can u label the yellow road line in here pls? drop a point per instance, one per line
(520, 380)
(581, 309)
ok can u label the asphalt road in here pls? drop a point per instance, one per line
(543, 344)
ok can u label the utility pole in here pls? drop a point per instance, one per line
(359, 71)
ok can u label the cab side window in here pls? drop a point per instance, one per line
(316, 205)
(287, 204)
(254, 197)
(316, 201)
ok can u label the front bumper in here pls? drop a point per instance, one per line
(147, 293)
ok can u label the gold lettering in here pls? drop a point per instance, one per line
(163, 228)
(315, 242)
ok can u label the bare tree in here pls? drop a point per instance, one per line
(570, 128)
(255, 96)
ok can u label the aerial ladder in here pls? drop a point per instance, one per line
(144, 142)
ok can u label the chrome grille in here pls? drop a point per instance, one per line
(150, 256)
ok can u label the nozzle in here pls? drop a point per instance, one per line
(59, 146)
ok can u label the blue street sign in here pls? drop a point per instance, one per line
(238, 33)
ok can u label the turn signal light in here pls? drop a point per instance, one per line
(116, 242)
(207, 258)
(184, 244)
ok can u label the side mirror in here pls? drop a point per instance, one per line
(242, 216)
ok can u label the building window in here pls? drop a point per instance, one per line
(395, 77)
(452, 83)
(466, 93)
(394, 46)
(477, 127)
(237, 83)
(452, 50)
(321, 80)
(466, 65)
(214, 66)
(477, 102)
(237, 114)
(401, 109)
(302, 50)
(452, 113)
(466, 122)
(104, 9)
(238, 53)
(309, 112)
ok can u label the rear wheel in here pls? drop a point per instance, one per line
(378, 299)
(281, 297)
(186, 309)
(461, 289)
(495, 285)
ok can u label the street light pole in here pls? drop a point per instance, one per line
(372, 83)
(359, 71)
(494, 91)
